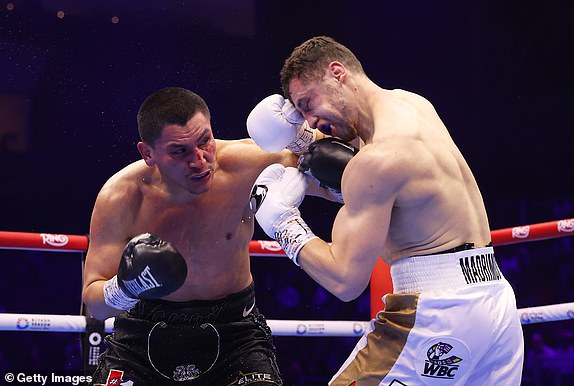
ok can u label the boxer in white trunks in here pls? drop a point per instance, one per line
(410, 198)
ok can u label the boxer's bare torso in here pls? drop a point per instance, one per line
(408, 191)
(436, 204)
(211, 230)
(208, 220)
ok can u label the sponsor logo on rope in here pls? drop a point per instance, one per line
(566, 225)
(359, 328)
(311, 329)
(442, 358)
(532, 317)
(54, 240)
(25, 323)
(22, 323)
(521, 232)
(270, 245)
(301, 329)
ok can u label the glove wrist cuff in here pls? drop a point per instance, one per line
(334, 194)
(305, 137)
(292, 233)
(115, 297)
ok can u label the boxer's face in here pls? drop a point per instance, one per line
(185, 155)
(323, 105)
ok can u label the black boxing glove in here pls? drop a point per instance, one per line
(326, 161)
(150, 268)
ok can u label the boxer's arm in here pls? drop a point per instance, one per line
(287, 158)
(359, 232)
(275, 198)
(246, 156)
(108, 236)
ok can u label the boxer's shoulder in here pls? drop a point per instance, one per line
(124, 192)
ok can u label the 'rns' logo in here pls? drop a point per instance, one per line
(438, 364)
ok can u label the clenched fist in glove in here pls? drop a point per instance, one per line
(275, 198)
(150, 268)
(325, 163)
(274, 124)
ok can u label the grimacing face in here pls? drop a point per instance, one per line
(185, 155)
(323, 105)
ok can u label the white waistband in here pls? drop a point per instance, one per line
(445, 271)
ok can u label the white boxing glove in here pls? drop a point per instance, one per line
(274, 124)
(275, 198)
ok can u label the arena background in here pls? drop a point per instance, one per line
(498, 72)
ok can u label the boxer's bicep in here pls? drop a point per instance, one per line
(362, 224)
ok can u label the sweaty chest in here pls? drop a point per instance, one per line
(218, 222)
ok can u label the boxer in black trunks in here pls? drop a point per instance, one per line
(181, 289)
(204, 342)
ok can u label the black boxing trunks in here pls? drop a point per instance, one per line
(202, 342)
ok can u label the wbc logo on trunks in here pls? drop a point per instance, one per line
(437, 352)
(441, 358)
(439, 365)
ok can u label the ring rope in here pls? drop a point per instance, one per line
(77, 323)
(539, 231)
(339, 328)
(75, 243)
(43, 241)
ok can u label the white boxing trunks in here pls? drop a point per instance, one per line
(451, 321)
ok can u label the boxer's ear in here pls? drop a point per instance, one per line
(146, 152)
(337, 70)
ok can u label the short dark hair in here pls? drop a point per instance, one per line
(168, 106)
(309, 61)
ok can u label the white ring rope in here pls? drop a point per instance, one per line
(339, 328)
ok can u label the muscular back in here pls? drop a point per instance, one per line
(418, 179)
